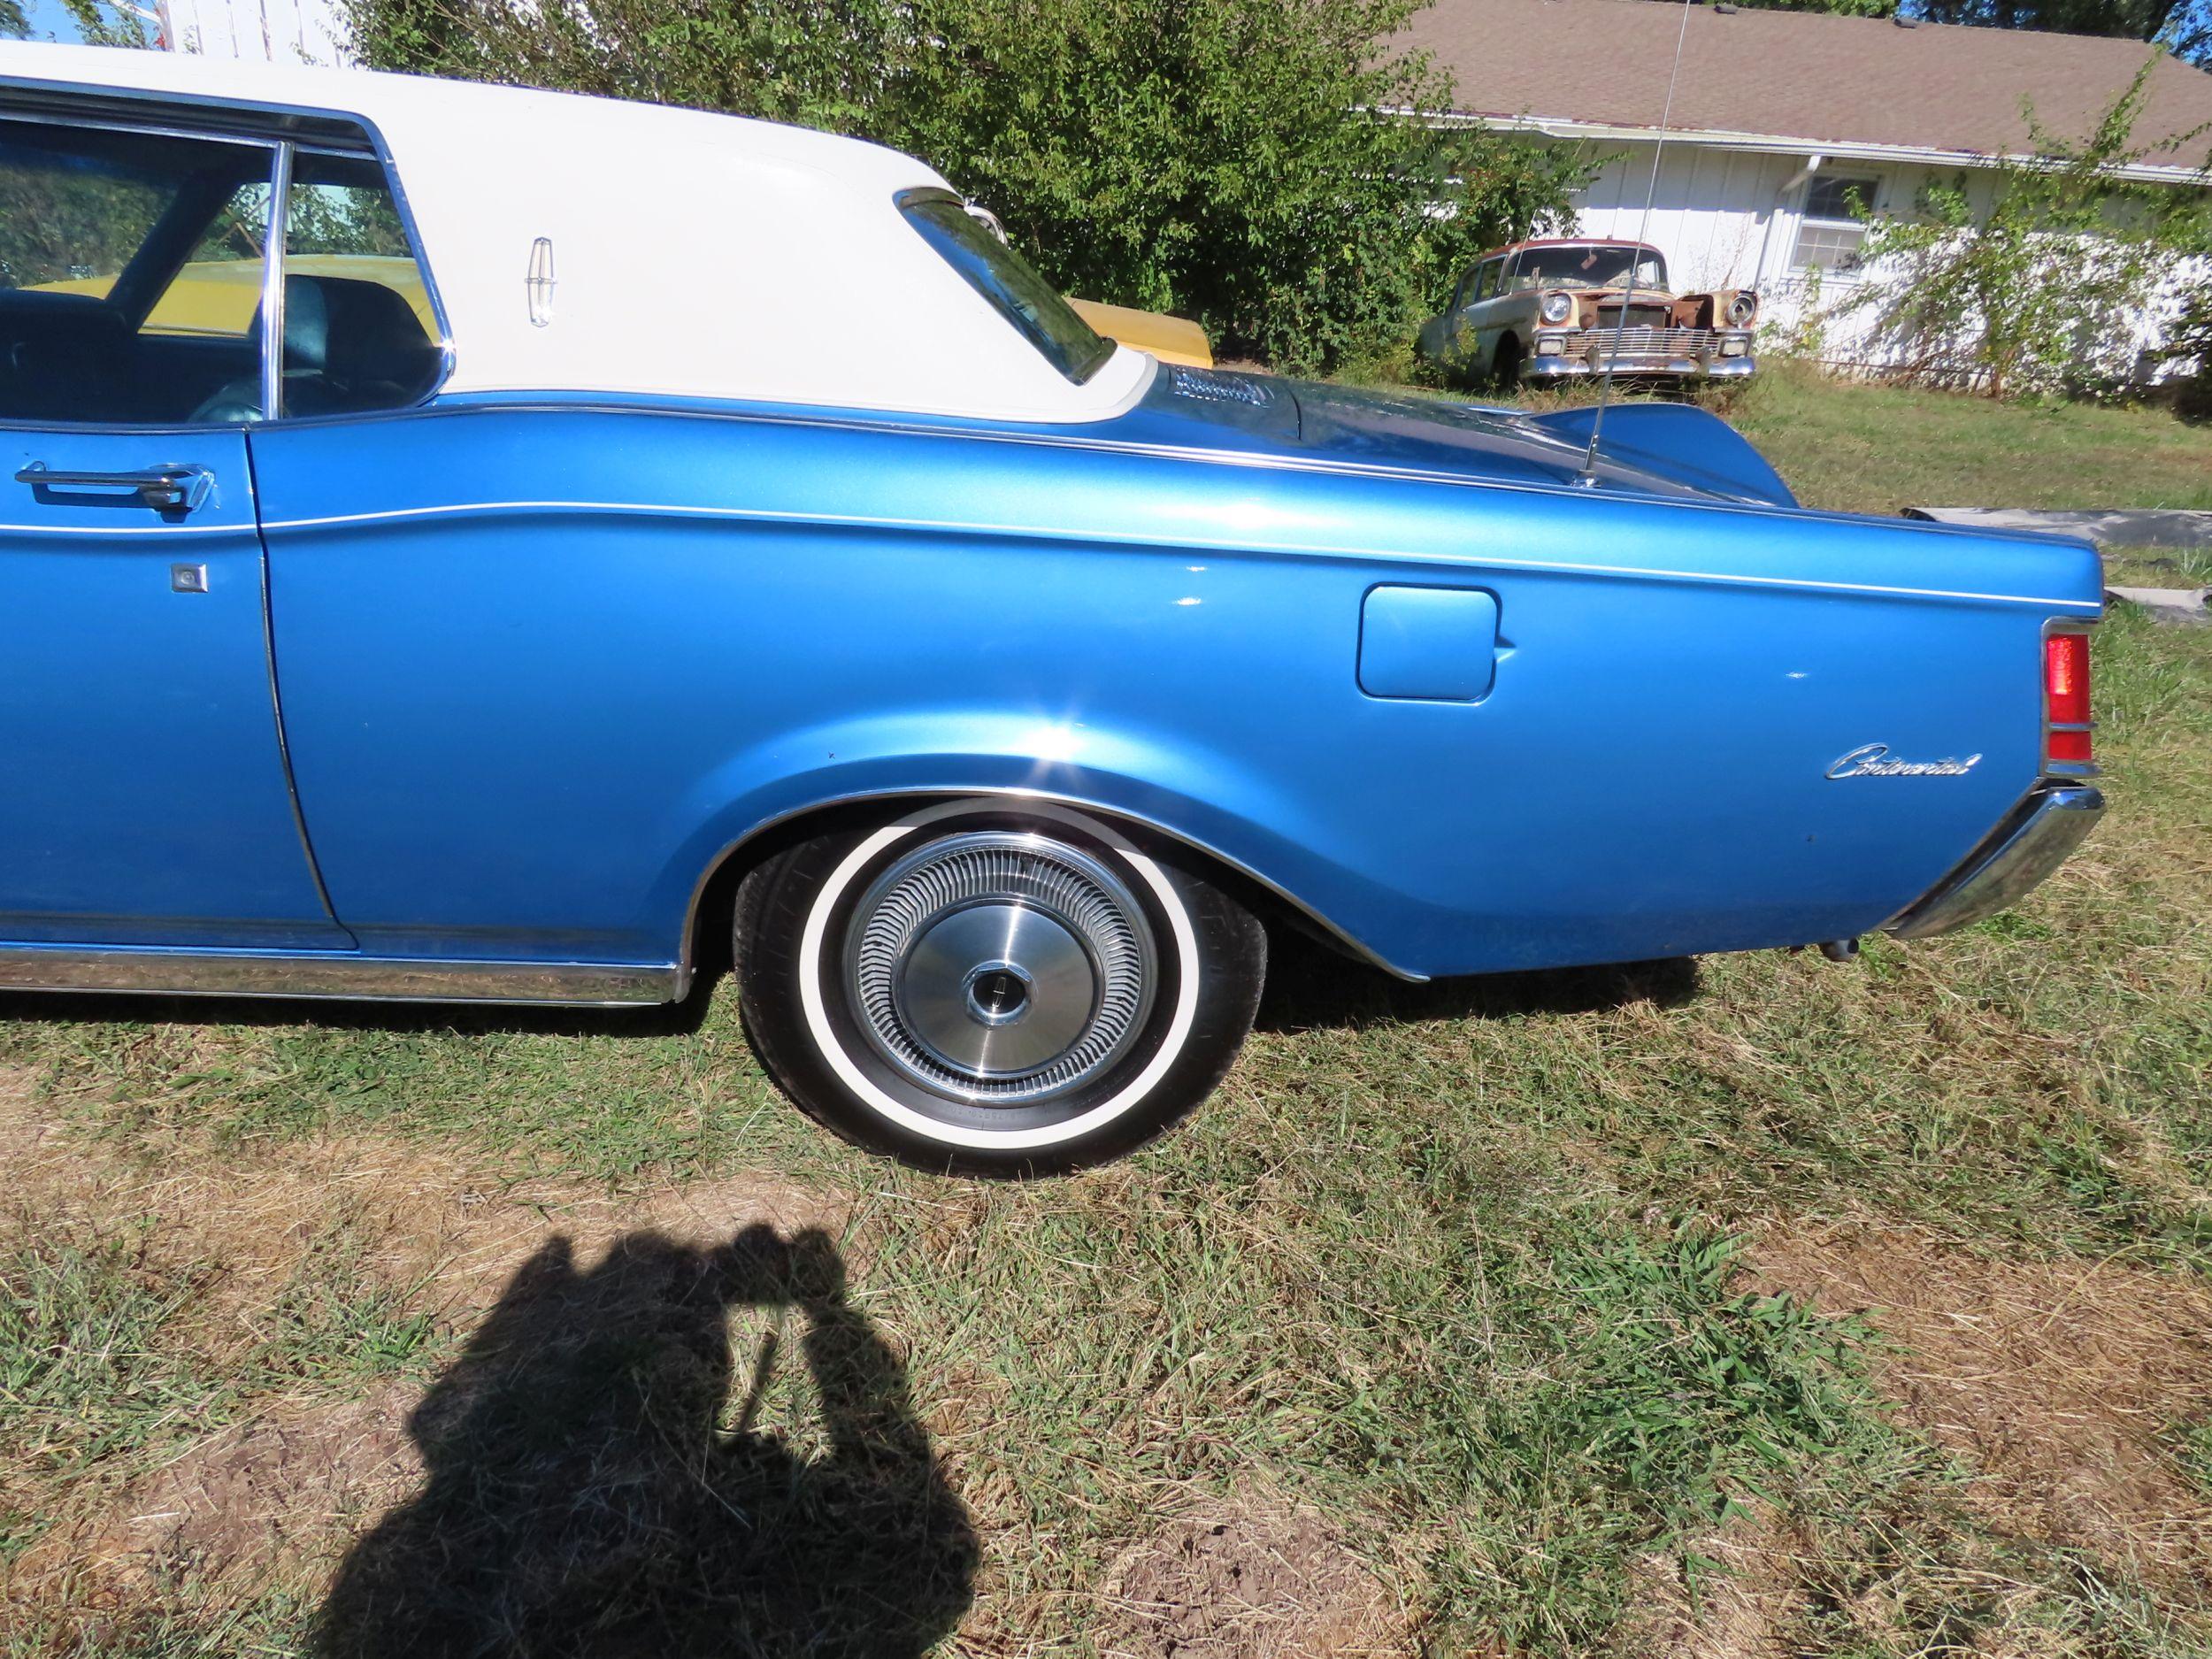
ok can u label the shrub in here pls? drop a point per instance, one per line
(2037, 293)
(1239, 160)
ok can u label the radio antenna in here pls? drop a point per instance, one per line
(1588, 477)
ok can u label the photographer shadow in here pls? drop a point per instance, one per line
(591, 1491)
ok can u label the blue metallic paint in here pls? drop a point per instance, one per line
(542, 664)
(146, 798)
(1431, 642)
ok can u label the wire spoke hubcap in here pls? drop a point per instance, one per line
(1000, 967)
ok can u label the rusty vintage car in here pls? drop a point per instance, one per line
(1556, 309)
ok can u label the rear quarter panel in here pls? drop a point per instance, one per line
(540, 665)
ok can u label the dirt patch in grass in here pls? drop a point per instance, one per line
(2058, 1381)
(1248, 1580)
(262, 1495)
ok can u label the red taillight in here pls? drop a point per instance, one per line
(2066, 696)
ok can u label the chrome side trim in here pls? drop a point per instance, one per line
(1351, 947)
(2035, 838)
(126, 530)
(366, 979)
(1127, 538)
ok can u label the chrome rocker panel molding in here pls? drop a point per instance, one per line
(165, 972)
(2034, 840)
(361, 978)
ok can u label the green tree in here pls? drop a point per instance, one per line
(102, 23)
(2032, 280)
(2185, 26)
(2128, 20)
(1842, 8)
(15, 22)
(1243, 161)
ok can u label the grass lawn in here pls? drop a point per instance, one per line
(1868, 450)
(1863, 449)
(1753, 1306)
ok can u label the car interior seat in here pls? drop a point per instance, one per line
(348, 346)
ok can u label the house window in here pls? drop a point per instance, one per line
(1834, 226)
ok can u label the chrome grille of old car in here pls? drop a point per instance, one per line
(1642, 342)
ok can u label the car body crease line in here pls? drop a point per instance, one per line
(856, 521)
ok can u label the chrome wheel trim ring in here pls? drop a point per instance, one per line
(818, 946)
(999, 967)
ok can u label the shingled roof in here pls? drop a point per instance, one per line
(1808, 78)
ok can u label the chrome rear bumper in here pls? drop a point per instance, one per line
(2034, 840)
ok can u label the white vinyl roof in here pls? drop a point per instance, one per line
(695, 255)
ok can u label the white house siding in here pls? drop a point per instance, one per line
(1709, 208)
(278, 31)
(1731, 218)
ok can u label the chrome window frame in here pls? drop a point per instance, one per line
(933, 196)
(272, 286)
(232, 121)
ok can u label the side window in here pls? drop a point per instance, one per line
(97, 227)
(1485, 283)
(1834, 222)
(134, 266)
(217, 292)
(1008, 283)
(359, 333)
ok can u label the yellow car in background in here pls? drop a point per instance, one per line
(217, 296)
(1170, 339)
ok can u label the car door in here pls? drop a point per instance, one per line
(148, 800)
(1486, 315)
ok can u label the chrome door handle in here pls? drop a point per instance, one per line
(167, 489)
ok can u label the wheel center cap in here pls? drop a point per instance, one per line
(998, 994)
(997, 989)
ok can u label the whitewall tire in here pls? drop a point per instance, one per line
(997, 987)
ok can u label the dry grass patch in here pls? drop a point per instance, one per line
(278, 1272)
(1748, 1604)
(434, 1217)
(2057, 1381)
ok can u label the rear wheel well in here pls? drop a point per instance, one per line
(707, 932)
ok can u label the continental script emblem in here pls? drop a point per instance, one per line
(1874, 760)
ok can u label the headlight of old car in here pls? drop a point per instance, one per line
(1556, 308)
(1742, 308)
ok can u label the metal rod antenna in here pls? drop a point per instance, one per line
(1588, 477)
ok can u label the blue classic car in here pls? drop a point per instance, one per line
(544, 574)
